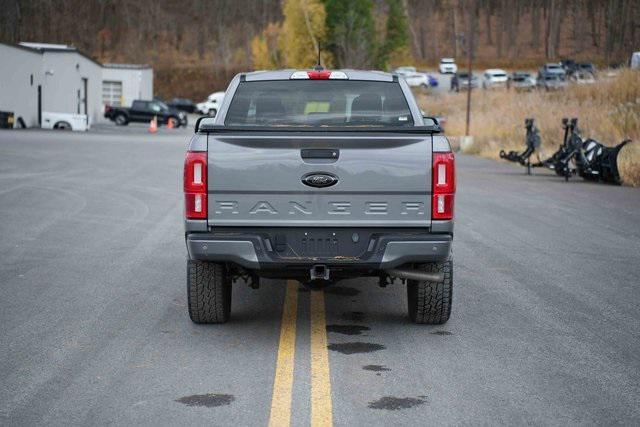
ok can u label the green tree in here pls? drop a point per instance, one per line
(350, 32)
(395, 48)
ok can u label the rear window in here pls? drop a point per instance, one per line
(319, 103)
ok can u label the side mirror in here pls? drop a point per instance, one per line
(432, 124)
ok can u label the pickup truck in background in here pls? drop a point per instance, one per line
(211, 105)
(145, 111)
(319, 176)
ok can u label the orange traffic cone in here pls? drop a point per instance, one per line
(153, 125)
(170, 123)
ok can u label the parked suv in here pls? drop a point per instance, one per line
(319, 176)
(521, 81)
(494, 77)
(461, 80)
(552, 68)
(447, 66)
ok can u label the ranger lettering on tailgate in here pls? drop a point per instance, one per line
(317, 176)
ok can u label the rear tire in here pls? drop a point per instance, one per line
(208, 292)
(121, 120)
(430, 302)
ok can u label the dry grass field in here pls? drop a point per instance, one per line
(608, 111)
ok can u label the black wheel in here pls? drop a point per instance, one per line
(430, 302)
(121, 120)
(208, 292)
(62, 126)
(212, 112)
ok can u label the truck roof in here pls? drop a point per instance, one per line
(378, 76)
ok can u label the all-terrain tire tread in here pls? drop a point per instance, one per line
(208, 292)
(430, 302)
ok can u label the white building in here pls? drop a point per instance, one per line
(123, 83)
(21, 83)
(37, 77)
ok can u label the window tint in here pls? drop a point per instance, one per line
(319, 103)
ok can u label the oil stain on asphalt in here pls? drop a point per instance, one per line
(347, 329)
(391, 403)
(344, 291)
(375, 368)
(210, 400)
(354, 316)
(355, 347)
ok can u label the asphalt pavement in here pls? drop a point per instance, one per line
(94, 325)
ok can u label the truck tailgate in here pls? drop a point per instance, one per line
(257, 180)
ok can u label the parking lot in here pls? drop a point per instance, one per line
(95, 328)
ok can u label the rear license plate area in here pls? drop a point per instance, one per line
(322, 245)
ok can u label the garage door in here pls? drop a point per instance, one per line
(112, 93)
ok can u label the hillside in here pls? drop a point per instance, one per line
(196, 46)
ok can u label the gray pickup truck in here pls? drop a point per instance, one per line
(319, 176)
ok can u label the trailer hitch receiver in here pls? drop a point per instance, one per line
(319, 272)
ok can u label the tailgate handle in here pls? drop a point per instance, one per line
(320, 153)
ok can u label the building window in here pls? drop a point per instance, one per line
(112, 93)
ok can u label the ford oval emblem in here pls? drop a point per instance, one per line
(319, 179)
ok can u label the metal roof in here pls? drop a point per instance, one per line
(48, 46)
(52, 47)
(127, 66)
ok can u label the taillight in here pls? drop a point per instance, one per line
(443, 176)
(195, 185)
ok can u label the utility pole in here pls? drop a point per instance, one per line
(470, 44)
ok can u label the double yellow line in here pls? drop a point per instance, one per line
(321, 408)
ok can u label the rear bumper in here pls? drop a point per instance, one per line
(265, 251)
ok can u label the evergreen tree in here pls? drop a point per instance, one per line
(351, 33)
(396, 43)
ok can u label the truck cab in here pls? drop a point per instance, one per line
(318, 176)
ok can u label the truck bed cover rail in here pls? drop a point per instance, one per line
(213, 128)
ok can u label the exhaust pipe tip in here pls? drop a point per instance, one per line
(418, 275)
